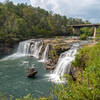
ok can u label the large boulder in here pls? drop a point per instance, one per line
(31, 72)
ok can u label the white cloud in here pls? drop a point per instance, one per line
(85, 9)
(72, 8)
(61, 6)
(2, 0)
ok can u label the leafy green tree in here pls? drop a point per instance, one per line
(87, 30)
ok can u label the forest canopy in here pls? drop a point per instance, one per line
(22, 21)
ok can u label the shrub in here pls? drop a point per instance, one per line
(83, 36)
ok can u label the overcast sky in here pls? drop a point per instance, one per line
(85, 9)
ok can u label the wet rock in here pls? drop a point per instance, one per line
(49, 68)
(50, 65)
(31, 72)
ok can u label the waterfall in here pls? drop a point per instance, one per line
(23, 47)
(36, 49)
(64, 65)
(27, 48)
(45, 54)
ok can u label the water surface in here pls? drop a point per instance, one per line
(13, 79)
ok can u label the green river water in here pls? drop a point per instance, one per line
(13, 79)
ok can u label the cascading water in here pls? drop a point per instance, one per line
(23, 47)
(45, 54)
(36, 49)
(27, 48)
(23, 50)
(64, 65)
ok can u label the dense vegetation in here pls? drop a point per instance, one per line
(87, 84)
(88, 31)
(22, 21)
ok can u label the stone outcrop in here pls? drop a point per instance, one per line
(31, 72)
(5, 50)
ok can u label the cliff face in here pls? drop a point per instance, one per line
(6, 50)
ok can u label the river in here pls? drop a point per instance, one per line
(13, 70)
(13, 79)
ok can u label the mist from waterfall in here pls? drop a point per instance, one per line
(63, 65)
